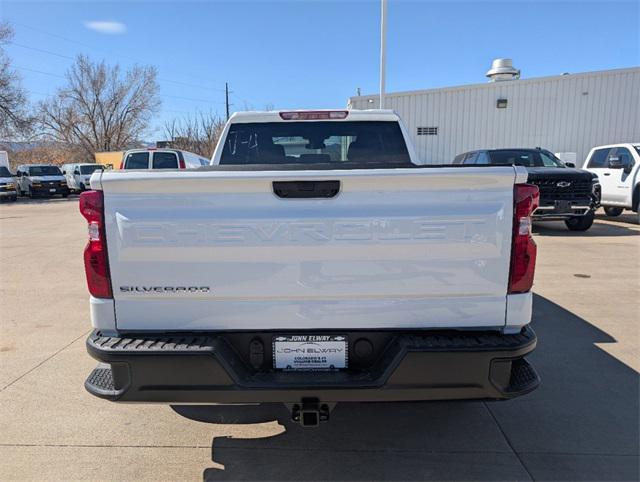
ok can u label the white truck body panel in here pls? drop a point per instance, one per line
(397, 248)
(617, 185)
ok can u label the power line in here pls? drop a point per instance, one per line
(162, 79)
(37, 93)
(41, 72)
(167, 96)
(192, 100)
(48, 94)
(189, 85)
(103, 50)
(176, 111)
(252, 103)
(35, 49)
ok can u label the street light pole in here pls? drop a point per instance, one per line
(383, 49)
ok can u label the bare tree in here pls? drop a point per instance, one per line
(198, 134)
(101, 108)
(15, 120)
(44, 153)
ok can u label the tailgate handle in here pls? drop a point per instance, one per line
(306, 189)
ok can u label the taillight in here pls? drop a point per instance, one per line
(314, 115)
(181, 164)
(96, 265)
(523, 247)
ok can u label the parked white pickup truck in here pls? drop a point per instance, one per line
(316, 261)
(618, 168)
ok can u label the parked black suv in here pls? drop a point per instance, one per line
(566, 193)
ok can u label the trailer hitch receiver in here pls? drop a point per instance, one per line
(310, 412)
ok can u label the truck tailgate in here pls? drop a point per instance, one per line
(395, 248)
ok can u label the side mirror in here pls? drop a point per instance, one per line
(76, 173)
(615, 163)
(570, 164)
(18, 174)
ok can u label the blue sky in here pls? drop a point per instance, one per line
(314, 53)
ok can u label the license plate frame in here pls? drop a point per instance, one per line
(563, 207)
(315, 352)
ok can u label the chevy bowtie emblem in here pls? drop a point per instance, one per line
(563, 184)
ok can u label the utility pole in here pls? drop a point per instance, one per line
(383, 49)
(226, 97)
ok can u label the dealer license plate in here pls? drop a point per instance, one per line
(563, 206)
(310, 352)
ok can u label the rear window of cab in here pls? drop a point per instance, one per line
(137, 160)
(165, 160)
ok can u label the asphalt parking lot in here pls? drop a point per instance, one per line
(581, 424)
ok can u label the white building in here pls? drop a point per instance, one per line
(566, 114)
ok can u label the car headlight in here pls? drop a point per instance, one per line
(9, 185)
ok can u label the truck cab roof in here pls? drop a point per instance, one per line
(351, 115)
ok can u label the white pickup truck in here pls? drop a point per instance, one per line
(315, 261)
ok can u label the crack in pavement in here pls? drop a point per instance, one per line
(86, 333)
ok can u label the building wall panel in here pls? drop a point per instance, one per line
(569, 113)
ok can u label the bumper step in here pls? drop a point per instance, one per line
(175, 344)
(524, 377)
(193, 368)
(100, 382)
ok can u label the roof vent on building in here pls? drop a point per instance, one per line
(502, 69)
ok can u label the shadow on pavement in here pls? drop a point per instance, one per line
(581, 424)
(557, 228)
(627, 217)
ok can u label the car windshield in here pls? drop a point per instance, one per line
(89, 169)
(314, 142)
(525, 158)
(44, 171)
(4, 172)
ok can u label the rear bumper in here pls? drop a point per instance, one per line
(207, 368)
(554, 210)
(49, 190)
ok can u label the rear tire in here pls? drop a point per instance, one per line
(82, 188)
(613, 211)
(581, 223)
